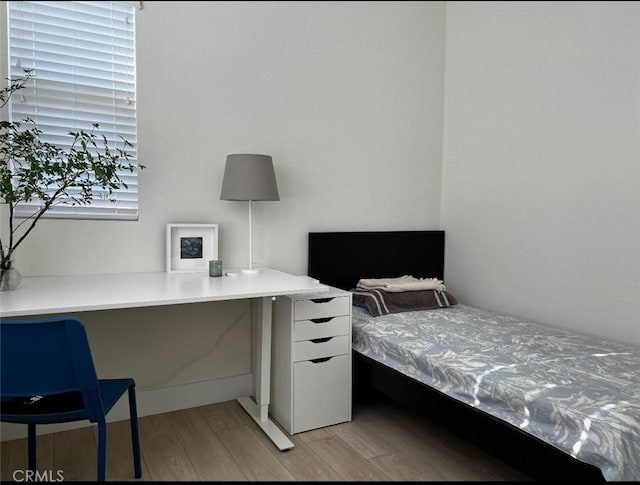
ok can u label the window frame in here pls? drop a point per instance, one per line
(89, 96)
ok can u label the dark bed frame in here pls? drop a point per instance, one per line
(340, 259)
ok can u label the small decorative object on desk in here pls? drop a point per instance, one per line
(215, 267)
(10, 277)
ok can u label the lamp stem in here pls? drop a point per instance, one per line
(250, 240)
(250, 269)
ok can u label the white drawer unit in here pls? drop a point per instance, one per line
(320, 347)
(311, 360)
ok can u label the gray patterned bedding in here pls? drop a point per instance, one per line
(577, 393)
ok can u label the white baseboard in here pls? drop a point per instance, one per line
(152, 401)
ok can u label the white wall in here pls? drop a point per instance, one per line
(347, 98)
(541, 178)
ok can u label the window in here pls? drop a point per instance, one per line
(82, 57)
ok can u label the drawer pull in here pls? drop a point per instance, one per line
(322, 320)
(320, 340)
(321, 359)
(321, 300)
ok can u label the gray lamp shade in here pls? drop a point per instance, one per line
(249, 177)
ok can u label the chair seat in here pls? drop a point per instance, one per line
(50, 404)
(61, 407)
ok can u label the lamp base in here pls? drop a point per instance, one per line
(250, 271)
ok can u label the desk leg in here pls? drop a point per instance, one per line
(259, 409)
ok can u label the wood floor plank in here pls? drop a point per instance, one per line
(360, 439)
(209, 457)
(477, 462)
(15, 458)
(435, 452)
(120, 452)
(224, 415)
(349, 464)
(75, 453)
(45, 456)
(165, 458)
(254, 458)
(304, 464)
(400, 469)
(426, 458)
(470, 461)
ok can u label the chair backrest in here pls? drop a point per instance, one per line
(48, 356)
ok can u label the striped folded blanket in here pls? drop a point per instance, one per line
(380, 302)
(401, 284)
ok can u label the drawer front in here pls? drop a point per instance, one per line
(320, 327)
(322, 393)
(319, 348)
(322, 307)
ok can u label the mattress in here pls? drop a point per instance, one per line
(578, 393)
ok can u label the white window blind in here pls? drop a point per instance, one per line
(82, 57)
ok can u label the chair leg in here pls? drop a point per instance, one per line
(135, 439)
(102, 448)
(31, 444)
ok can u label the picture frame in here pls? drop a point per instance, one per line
(190, 247)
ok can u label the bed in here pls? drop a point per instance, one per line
(554, 404)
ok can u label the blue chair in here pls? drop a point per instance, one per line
(47, 376)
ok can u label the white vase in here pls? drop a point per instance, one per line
(10, 277)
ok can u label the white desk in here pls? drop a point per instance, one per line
(63, 294)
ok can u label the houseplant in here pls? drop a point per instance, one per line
(32, 169)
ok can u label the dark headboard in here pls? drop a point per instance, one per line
(340, 259)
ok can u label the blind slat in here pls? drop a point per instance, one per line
(83, 59)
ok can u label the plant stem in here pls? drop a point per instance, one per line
(10, 249)
(39, 214)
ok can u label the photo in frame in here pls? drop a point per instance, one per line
(190, 247)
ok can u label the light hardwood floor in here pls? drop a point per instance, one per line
(220, 442)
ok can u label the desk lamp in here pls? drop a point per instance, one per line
(249, 177)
